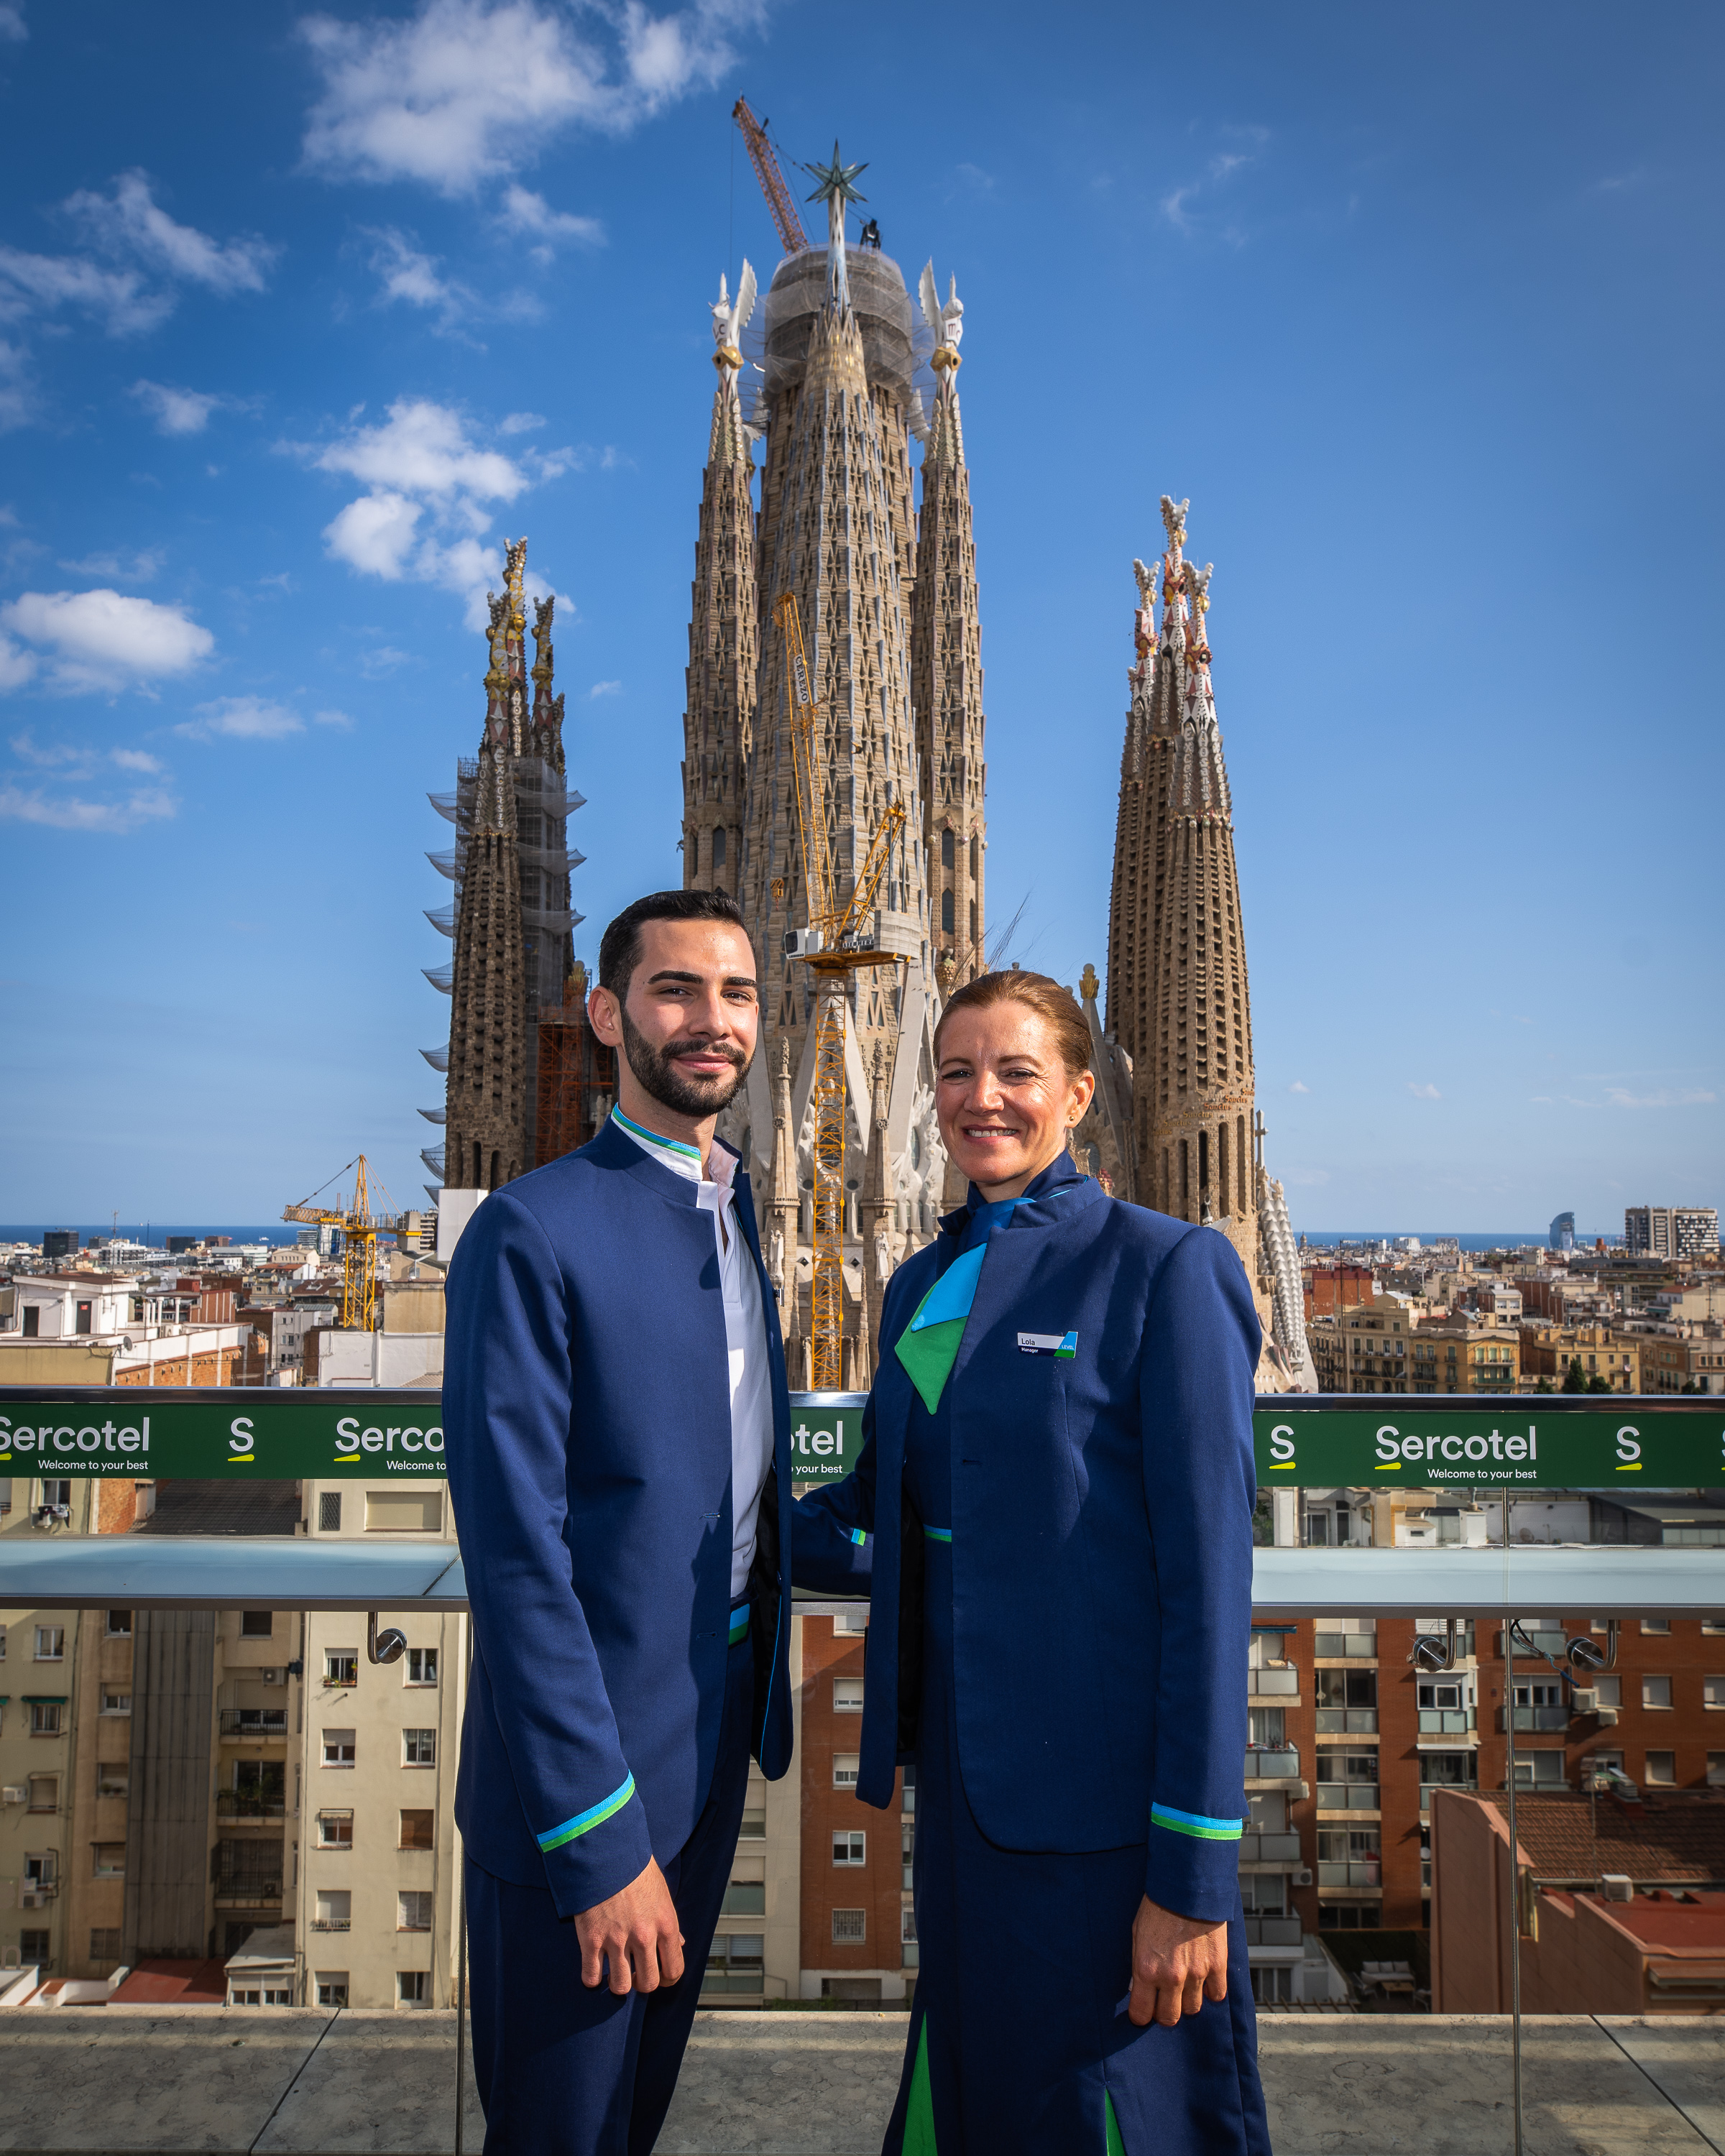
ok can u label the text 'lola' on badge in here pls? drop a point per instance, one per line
(1063, 1344)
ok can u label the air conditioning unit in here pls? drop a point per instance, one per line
(13, 1795)
(1617, 1886)
(1302, 1877)
(33, 1897)
(1585, 1699)
(1608, 1717)
(273, 1676)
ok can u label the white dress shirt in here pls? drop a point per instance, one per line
(750, 1379)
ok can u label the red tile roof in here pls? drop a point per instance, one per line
(1680, 1836)
(174, 1984)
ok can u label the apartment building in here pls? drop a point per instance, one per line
(1549, 1353)
(99, 1329)
(1670, 1231)
(374, 1859)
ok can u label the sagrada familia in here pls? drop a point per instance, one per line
(844, 375)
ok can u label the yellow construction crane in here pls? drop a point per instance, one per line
(836, 943)
(359, 1229)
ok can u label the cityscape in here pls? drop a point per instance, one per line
(235, 1806)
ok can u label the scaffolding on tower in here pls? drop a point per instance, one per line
(835, 944)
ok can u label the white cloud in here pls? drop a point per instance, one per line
(177, 411)
(1424, 1093)
(105, 640)
(431, 491)
(467, 89)
(155, 258)
(1687, 1098)
(339, 720)
(520, 423)
(525, 211)
(130, 221)
(137, 568)
(1296, 1087)
(16, 666)
(408, 275)
(135, 759)
(605, 688)
(17, 394)
(242, 718)
(11, 25)
(71, 812)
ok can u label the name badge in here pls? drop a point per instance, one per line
(1064, 1345)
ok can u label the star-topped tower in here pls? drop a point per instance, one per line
(833, 186)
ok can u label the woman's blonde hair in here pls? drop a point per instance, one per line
(1057, 1006)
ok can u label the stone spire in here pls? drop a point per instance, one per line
(835, 528)
(876, 1209)
(485, 1128)
(1178, 998)
(783, 1209)
(723, 638)
(946, 665)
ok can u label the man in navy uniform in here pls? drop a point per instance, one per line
(618, 1450)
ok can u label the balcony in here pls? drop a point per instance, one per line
(1353, 1647)
(1357, 1872)
(1273, 1931)
(1283, 1684)
(1448, 1721)
(254, 1722)
(1272, 1763)
(236, 1804)
(1347, 1721)
(1547, 1718)
(247, 1893)
(1347, 1796)
(1267, 1849)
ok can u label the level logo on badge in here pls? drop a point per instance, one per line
(1064, 1345)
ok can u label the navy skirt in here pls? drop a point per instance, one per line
(1019, 2040)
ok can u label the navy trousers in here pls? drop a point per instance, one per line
(562, 2071)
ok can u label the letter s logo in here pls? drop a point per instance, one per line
(1627, 1448)
(1389, 1444)
(1281, 1442)
(347, 1435)
(239, 1434)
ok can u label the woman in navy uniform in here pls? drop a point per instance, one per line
(1055, 1495)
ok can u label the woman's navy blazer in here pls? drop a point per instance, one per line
(587, 1419)
(1101, 1547)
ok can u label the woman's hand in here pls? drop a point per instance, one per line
(1176, 1965)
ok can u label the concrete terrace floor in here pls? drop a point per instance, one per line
(142, 2081)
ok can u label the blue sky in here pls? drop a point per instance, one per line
(303, 311)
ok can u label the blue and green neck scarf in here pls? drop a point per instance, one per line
(928, 1346)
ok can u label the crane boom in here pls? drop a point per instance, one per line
(359, 1229)
(783, 210)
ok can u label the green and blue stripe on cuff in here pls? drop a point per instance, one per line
(938, 1534)
(739, 1624)
(584, 1822)
(1195, 1824)
(860, 1538)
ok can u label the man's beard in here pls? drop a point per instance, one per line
(659, 1077)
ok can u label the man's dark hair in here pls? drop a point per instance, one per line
(620, 945)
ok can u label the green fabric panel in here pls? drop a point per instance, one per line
(1117, 2147)
(929, 1357)
(919, 2112)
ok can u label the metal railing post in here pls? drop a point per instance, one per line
(461, 1940)
(1515, 1877)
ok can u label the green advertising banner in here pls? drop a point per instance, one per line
(1524, 1441)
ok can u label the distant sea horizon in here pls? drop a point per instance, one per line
(1503, 1239)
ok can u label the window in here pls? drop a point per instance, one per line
(1656, 1692)
(118, 1624)
(335, 1910)
(33, 1945)
(851, 1625)
(1609, 1687)
(754, 1825)
(1435, 1697)
(338, 1748)
(908, 1925)
(2, 1643)
(846, 1766)
(718, 847)
(847, 1694)
(418, 1747)
(110, 1860)
(116, 1702)
(329, 1522)
(1715, 1623)
(105, 1943)
(57, 1490)
(415, 1830)
(422, 1665)
(1655, 1624)
(413, 1911)
(908, 1798)
(1267, 1727)
(32, 1321)
(334, 1830)
(404, 1511)
(114, 1781)
(1716, 1770)
(413, 1987)
(1713, 1691)
(332, 1986)
(849, 1926)
(82, 1322)
(1661, 1770)
(256, 1623)
(947, 920)
(45, 1716)
(341, 1666)
(44, 1792)
(43, 1868)
(850, 1849)
(745, 1897)
(736, 1962)
(1539, 1770)
(50, 1643)
(947, 849)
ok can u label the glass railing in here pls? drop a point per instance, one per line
(1334, 1646)
(1355, 1872)
(1347, 1721)
(1263, 1848)
(1346, 1796)
(1540, 1717)
(1273, 1683)
(1448, 1721)
(1273, 1763)
(1273, 1931)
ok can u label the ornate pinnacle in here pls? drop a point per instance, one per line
(1088, 984)
(515, 563)
(1174, 520)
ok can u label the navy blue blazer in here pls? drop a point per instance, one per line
(587, 1421)
(1101, 1540)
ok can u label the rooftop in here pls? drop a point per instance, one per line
(138, 2081)
(1674, 1837)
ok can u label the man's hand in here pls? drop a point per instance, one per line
(1176, 1965)
(636, 1932)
